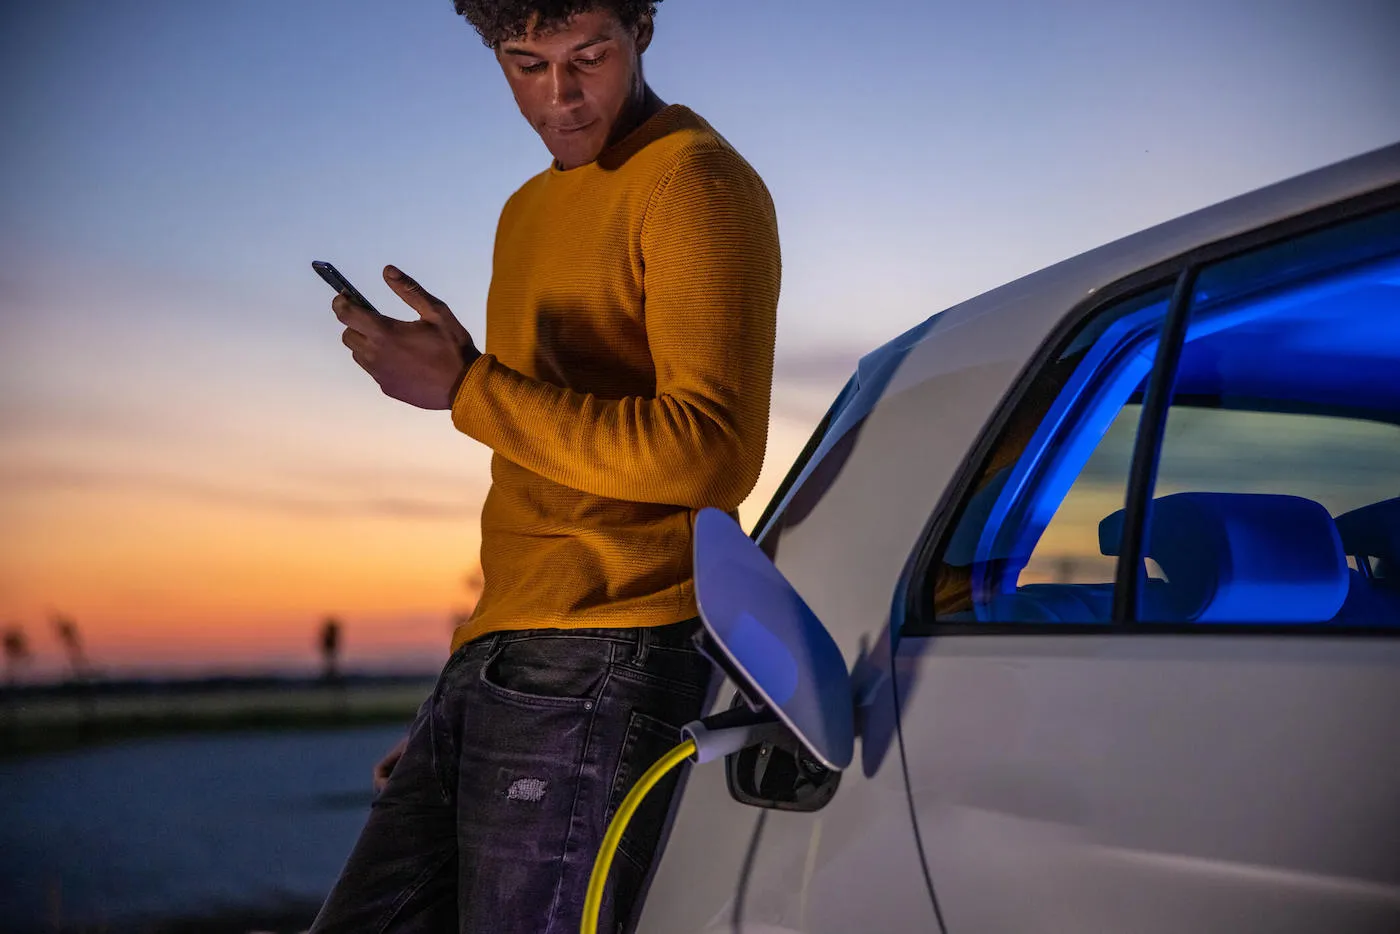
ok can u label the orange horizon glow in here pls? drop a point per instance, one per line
(153, 583)
(158, 580)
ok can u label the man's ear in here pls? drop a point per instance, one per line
(646, 27)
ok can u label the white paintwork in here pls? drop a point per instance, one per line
(1105, 783)
(1002, 854)
(851, 868)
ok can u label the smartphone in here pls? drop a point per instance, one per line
(341, 284)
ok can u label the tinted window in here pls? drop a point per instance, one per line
(1277, 498)
(1281, 457)
(1059, 468)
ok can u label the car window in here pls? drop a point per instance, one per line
(1277, 482)
(1280, 463)
(1059, 467)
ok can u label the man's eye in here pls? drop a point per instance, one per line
(533, 69)
(591, 62)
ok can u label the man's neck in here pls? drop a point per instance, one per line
(642, 108)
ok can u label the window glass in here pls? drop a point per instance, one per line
(1060, 467)
(1279, 471)
(1068, 551)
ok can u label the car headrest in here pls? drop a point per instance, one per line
(1373, 531)
(1240, 558)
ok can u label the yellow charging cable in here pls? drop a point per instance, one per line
(593, 903)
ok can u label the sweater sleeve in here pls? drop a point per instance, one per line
(712, 267)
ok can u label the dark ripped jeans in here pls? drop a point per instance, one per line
(515, 764)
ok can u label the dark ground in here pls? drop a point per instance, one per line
(193, 807)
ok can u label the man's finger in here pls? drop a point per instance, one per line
(356, 316)
(429, 306)
(357, 342)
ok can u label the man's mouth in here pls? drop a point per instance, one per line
(565, 129)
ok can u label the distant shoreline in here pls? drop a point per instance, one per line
(41, 719)
(230, 681)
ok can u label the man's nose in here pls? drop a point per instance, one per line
(565, 85)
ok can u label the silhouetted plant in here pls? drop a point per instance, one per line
(330, 648)
(66, 629)
(17, 653)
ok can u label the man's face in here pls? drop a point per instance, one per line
(573, 82)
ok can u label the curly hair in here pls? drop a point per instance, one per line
(499, 20)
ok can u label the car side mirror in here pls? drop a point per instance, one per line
(770, 643)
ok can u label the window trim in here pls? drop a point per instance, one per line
(1130, 574)
(1045, 467)
(916, 581)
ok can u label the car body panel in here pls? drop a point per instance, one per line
(1112, 783)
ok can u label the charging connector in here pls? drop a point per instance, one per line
(729, 731)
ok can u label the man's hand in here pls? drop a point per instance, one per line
(419, 362)
(384, 766)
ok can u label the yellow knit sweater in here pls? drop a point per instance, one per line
(626, 377)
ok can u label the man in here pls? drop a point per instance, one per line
(624, 385)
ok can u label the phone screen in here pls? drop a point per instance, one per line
(341, 284)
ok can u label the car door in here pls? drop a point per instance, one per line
(1147, 664)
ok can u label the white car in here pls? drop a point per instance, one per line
(1112, 557)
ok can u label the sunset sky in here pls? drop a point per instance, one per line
(192, 467)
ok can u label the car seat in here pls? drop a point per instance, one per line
(1372, 535)
(1239, 558)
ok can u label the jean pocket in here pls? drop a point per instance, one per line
(683, 672)
(648, 740)
(551, 672)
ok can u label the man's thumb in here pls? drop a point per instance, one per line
(430, 308)
(411, 292)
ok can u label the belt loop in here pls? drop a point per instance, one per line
(643, 645)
